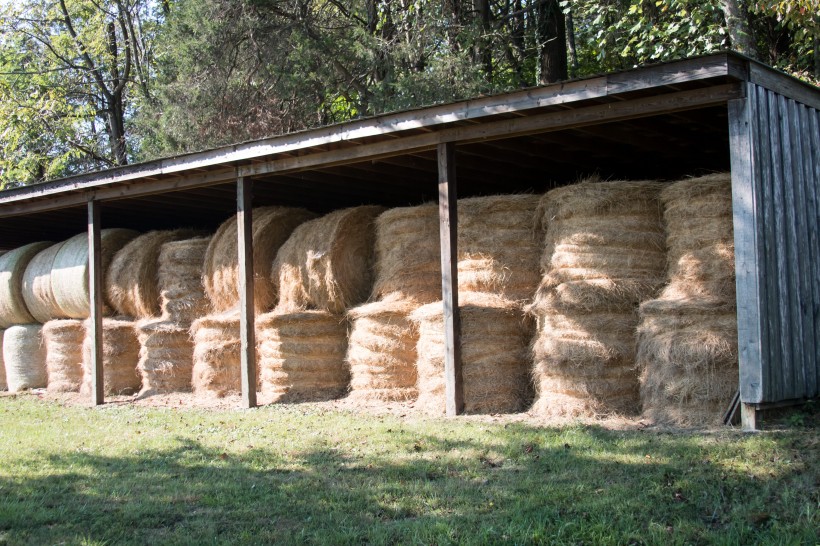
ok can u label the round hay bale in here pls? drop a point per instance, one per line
(408, 261)
(13, 265)
(182, 294)
(381, 352)
(495, 335)
(132, 280)
(64, 354)
(271, 228)
(121, 351)
(216, 368)
(3, 385)
(69, 274)
(302, 355)
(498, 250)
(24, 356)
(326, 262)
(166, 357)
(37, 291)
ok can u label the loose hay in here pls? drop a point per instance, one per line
(166, 357)
(69, 275)
(13, 265)
(326, 263)
(64, 354)
(302, 355)
(131, 282)
(271, 228)
(216, 367)
(381, 352)
(37, 291)
(687, 338)
(24, 355)
(495, 362)
(120, 356)
(182, 295)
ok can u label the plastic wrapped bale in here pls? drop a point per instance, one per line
(687, 338)
(182, 296)
(271, 228)
(64, 354)
(69, 274)
(24, 356)
(132, 279)
(302, 355)
(326, 263)
(216, 366)
(13, 265)
(495, 362)
(120, 356)
(37, 292)
(381, 352)
(166, 357)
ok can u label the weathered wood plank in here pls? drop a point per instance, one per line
(782, 84)
(748, 418)
(811, 148)
(746, 218)
(448, 230)
(95, 295)
(247, 333)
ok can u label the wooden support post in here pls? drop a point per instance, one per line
(95, 303)
(448, 230)
(748, 418)
(247, 333)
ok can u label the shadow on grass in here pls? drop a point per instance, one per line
(527, 485)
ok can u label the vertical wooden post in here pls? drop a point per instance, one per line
(448, 231)
(95, 302)
(247, 333)
(748, 418)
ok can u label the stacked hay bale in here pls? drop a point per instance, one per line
(120, 354)
(216, 336)
(37, 291)
(64, 354)
(13, 264)
(24, 357)
(687, 338)
(604, 253)
(323, 269)
(182, 295)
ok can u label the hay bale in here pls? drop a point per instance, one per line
(687, 338)
(216, 366)
(64, 354)
(24, 356)
(381, 352)
(302, 355)
(182, 295)
(131, 282)
(69, 274)
(166, 357)
(271, 228)
(37, 292)
(13, 265)
(326, 262)
(495, 336)
(120, 356)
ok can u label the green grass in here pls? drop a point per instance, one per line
(301, 474)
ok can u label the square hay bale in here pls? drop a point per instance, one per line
(182, 294)
(216, 368)
(120, 356)
(64, 354)
(166, 357)
(24, 356)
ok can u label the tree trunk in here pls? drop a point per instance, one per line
(116, 125)
(484, 54)
(573, 53)
(552, 43)
(737, 25)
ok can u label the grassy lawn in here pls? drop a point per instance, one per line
(125, 474)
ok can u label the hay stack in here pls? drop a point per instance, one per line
(37, 291)
(166, 357)
(120, 357)
(302, 355)
(498, 249)
(495, 335)
(687, 339)
(382, 352)
(131, 282)
(64, 354)
(13, 265)
(182, 295)
(69, 275)
(271, 228)
(604, 253)
(24, 356)
(3, 385)
(216, 365)
(326, 262)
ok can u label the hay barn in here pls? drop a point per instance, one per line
(687, 118)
